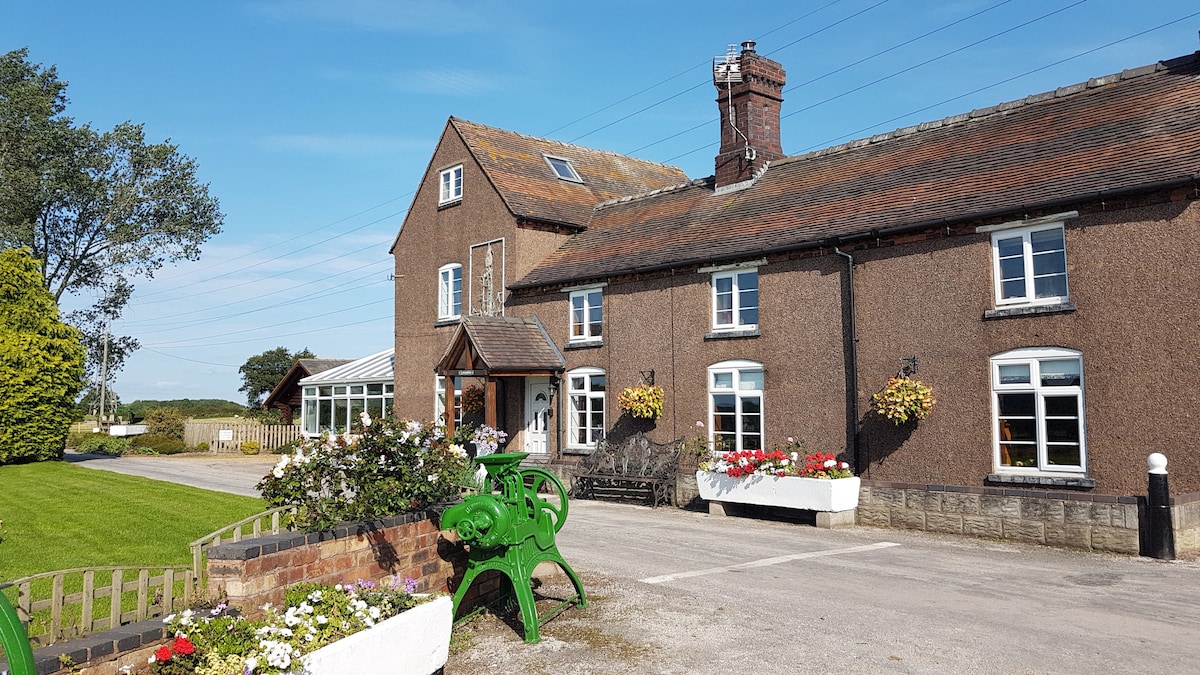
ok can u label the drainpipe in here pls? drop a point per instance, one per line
(852, 379)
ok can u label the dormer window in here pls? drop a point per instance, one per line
(450, 185)
(562, 168)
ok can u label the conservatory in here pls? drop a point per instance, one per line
(335, 399)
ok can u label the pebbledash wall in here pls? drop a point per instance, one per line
(257, 571)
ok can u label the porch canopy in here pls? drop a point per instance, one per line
(492, 347)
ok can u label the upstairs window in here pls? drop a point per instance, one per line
(450, 185)
(450, 291)
(587, 315)
(563, 169)
(1029, 266)
(735, 300)
(1038, 403)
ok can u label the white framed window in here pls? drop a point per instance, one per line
(585, 399)
(587, 315)
(735, 405)
(439, 399)
(562, 168)
(735, 300)
(450, 291)
(1037, 403)
(337, 408)
(1029, 265)
(450, 185)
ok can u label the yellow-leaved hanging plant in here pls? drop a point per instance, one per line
(904, 399)
(644, 401)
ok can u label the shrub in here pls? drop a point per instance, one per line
(76, 437)
(393, 467)
(250, 447)
(202, 446)
(104, 444)
(165, 422)
(41, 364)
(160, 444)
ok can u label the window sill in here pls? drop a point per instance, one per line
(731, 334)
(1029, 310)
(1048, 481)
(568, 450)
(584, 344)
(451, 321)
(452, 202)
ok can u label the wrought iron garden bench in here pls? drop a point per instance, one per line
(629, 466)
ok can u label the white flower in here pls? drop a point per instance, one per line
(458, 450)
(374, 612)
(322, 620)
(315, 596)
(169, 618)
(830, 463)
(251, 664)
(791, 440)
(432, 477)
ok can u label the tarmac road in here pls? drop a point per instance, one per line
(677, 592)
(684, 592)
(237, 474)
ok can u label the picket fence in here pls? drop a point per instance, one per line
(268, 436)
(103, 604)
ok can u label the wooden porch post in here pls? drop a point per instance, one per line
(489, 403)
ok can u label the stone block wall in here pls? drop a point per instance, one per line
(1066, 519)
(1185, 519)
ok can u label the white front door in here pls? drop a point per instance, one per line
(537, 415)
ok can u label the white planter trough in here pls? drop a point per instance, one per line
(415, 642)
(791, 492)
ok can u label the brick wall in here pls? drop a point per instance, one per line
(254, 572)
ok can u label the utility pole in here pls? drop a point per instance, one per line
(103, 380)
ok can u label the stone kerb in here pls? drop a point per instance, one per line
(1185, 517)
(257, 571)
(1069, 520)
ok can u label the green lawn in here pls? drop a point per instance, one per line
(59, 516)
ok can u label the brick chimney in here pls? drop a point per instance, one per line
(751, 88)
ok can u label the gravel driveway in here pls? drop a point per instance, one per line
(237, 474)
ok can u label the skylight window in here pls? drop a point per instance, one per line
(563, 169)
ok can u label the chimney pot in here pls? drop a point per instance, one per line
(748, 47)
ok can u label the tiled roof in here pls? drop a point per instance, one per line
(516, 166)
(1128, 130)
(503, 344)
(377, 367)
(287, 389)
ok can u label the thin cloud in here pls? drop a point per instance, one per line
(445, 17)
(341, 145)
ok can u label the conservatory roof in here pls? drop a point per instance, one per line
(378, 367)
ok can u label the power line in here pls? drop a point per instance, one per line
(1004, 81)
(273, 325)
(904, 70)
(705, 83)
(340, 326)
(295, 238)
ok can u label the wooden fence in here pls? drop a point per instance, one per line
(53, 611)
(229, 437)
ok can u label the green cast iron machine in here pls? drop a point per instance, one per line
(512, 532)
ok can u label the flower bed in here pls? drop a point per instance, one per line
(780, 477)
(354, 628)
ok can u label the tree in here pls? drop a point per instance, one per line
(262, 372)
(41, 365)
(97, 210)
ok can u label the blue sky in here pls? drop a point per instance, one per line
(313, 121)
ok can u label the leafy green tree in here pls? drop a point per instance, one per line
(261, 372)
(165, 422)
(98, 209)
(41, 365)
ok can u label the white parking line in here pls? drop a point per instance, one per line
(767, 561)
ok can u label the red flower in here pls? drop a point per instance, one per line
(183, 646)
(162, 654)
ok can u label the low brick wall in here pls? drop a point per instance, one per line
(1066, 519)
(253, 572)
